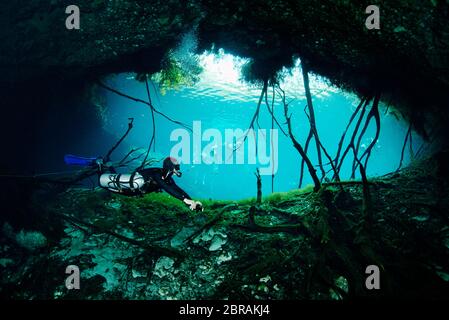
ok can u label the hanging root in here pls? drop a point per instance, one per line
(124, 159)
(340, 143)
(351, 145)
(153, 135)
(374, 113)
(408, 137)
(259, 187)
(107, 158)
(313, 129)
(271, 111)
(273, 120)
(306, 148)
(297, 145)
(331, 162)
(255, 117)
(144, 102)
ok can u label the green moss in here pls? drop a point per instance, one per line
(176, 72)
(248, 201)
(271, 199)
(283, 196)
(162, 199)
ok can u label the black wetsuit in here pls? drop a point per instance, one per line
(155, 183)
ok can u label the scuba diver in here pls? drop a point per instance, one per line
(141, 181)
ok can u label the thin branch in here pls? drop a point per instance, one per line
(403, 146)
(144, 102)
(374, 113)
(211, 222)
(271, 111)
(153, 136)
(331, 162)
(259, 187)
(313, 129)
(128, 155)
(253, 119)
(298, 146)
(151, 248)
(107, 158)
(354, 134)
(306, 149)
(410, 140)
(340, 143)
(253, 226)
(273, 120)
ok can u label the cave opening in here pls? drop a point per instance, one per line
(220, 99)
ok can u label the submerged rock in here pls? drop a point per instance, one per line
(164, 266)
(217, 242)
(31, 240)
(215, 238)
(179, 239)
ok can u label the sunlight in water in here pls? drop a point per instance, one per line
(222, 79)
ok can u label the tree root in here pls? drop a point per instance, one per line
(254, 227)
(210, 223)
(313, 130)
(297, 145)
(373, 114)
(154, 249)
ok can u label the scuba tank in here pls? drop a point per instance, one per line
(122, 183)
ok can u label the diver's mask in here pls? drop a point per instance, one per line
(177, 171)
(170, 167)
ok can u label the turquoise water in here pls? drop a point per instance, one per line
(221, 101)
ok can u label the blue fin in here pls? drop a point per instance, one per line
(79, 161)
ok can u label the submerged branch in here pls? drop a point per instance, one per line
(340, 143)
(271, 136)
(153, 135)
(297, 145)
(351, 144)
(144, 102)
(255, 227)
(306, 148)
(259, 187)
(254, 119)
(153, 248)
(331, 162)
(312, 121)
(271, 112)
(374, 113)
(407, 135)
(211, 222)
(107, 158)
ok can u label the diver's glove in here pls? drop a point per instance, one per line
(194, 205)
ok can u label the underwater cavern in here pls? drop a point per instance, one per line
(312, 149)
